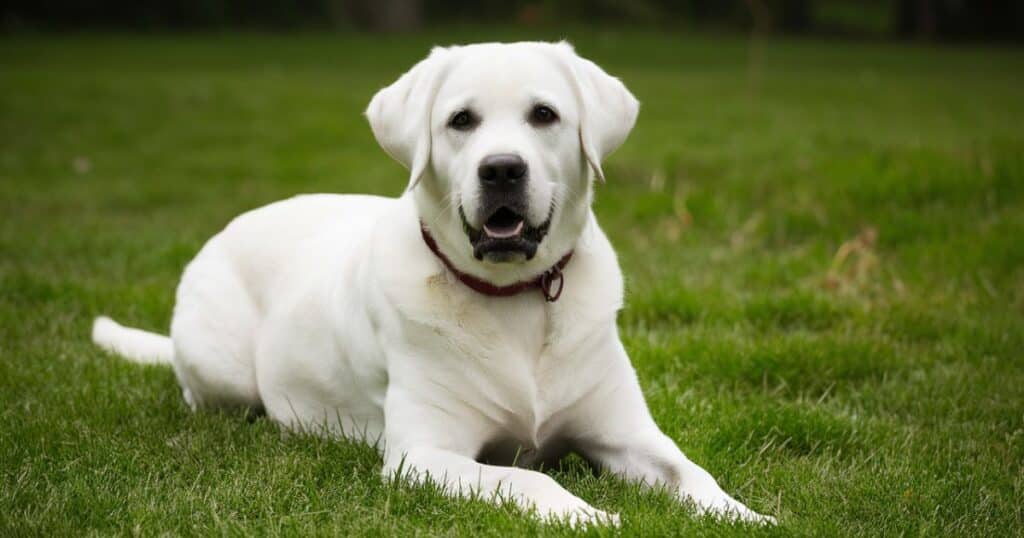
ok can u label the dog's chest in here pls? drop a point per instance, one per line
(498, 354)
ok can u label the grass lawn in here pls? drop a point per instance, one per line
(824, 256)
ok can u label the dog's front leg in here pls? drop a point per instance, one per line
(430, 436)
(653, 458)
(615, 430)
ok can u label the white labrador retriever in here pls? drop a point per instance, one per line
(466, 325)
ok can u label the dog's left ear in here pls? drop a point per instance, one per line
(607, 109)
(400, 113)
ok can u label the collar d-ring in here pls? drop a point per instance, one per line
(550, 278)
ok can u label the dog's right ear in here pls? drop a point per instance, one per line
(400, 113)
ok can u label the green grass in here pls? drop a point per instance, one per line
(880, 394)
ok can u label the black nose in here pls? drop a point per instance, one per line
(503, 171)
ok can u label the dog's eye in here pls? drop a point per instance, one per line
(543, 115)
(462, 120)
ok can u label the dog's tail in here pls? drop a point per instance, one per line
(135, 345)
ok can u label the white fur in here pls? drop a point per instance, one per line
(133, 344)
(331, 314)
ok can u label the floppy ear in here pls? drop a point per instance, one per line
(607, 109)
(400, 114)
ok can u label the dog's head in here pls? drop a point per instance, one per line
(503, 142)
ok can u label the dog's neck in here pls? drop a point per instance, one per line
(550, 282)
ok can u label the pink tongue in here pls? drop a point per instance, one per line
(504, 232)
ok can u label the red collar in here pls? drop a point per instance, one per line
(550, 282)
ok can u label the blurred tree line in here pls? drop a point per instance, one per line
(929, 19)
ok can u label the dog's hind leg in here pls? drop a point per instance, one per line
(213, 332)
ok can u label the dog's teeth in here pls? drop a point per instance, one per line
(504, 233)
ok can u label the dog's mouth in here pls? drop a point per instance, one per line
(505, 236)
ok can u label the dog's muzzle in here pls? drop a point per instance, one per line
(505, 235)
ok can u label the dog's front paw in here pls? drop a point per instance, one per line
(581, 516)
(726, 507)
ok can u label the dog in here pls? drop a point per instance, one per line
(467, 327)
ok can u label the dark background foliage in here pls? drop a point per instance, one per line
(926, 19)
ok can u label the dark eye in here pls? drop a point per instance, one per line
(543, 115)
(462, 120)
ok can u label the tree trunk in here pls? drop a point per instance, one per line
(392, 15)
